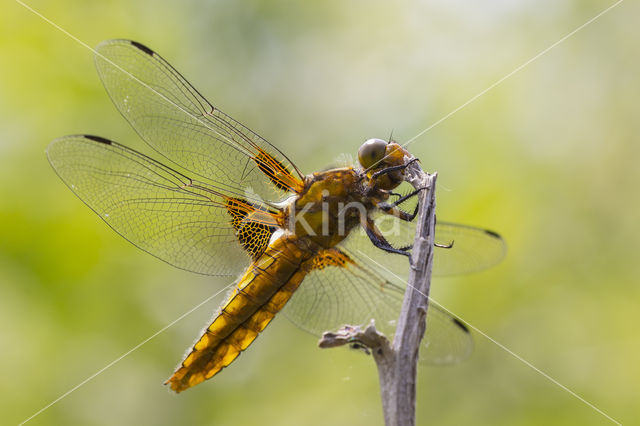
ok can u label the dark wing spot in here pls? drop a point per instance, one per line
(460, 324)
(98, 139)
(142, 47)
(493, 234)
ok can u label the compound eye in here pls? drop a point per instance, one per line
(371, 152)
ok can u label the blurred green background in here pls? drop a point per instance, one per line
(549, 158)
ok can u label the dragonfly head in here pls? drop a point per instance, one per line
(377, 155)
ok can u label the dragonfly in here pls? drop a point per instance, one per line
(327, 249)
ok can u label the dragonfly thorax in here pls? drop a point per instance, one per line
(332, 204)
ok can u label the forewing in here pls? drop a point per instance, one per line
(356, 292)
(182, 221)
(170, 115)
(473, 249)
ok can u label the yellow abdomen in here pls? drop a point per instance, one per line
(263, 290)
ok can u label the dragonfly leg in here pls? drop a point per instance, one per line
(446, 246)
(404, 198)
(395, 194)
(379, 241)
(393, 168)
(392, 208)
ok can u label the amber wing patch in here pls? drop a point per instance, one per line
(279, 175)
(254, 225)
(331, 257)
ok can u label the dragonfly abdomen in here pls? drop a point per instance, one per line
(263, 290)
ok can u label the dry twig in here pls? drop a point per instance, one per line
(397, 362)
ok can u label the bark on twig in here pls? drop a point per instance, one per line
(397, 362)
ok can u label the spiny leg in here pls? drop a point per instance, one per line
(392, 208)
(379, 241)
(392, 169)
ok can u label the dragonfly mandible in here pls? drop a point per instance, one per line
(227, 202)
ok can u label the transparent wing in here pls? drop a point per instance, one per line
(170, 115)
(355, 293)
(473, 250)
(179, 220)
